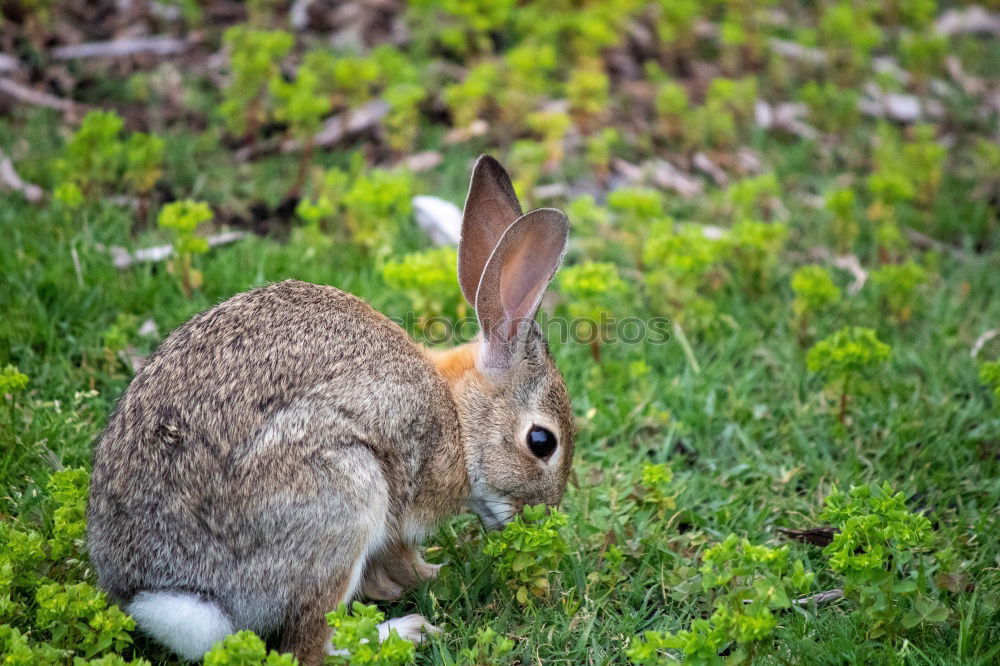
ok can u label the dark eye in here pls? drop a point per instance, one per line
(541, 441)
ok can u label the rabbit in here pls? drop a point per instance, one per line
(288, 449)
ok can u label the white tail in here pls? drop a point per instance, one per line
(185, 623)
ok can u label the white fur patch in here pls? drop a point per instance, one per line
(184, 623)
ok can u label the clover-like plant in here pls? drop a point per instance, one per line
(181, 219)
(846, 357)
(880, 548)
(528, 550)
(814, 291)
(746, 583)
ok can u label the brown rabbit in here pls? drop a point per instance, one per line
(290, 448)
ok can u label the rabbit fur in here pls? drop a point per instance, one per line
(288, 449)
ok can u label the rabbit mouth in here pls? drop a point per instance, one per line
(493, 513)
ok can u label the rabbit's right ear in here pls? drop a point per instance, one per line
(490, 208)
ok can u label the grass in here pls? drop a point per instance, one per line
(751, 435)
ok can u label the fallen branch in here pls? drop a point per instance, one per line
(11, 180)
(122, 258)
(785, 116)
(797, 51)
(703, 163)
(9, 64)
(970, 20)
(121, 48)
(34, 97)
(669, 177)
(926, 242)
(333, 131)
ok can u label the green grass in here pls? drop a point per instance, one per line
(751, 435)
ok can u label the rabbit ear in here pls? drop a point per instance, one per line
(490, 208)
(516, 275)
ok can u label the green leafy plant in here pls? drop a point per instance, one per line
(528, 550)
(814, 292)
(254, 60)
(96, 158)
(989, 374)
(898, 285)
(672, 105)
(844, 222)
(12, 382)
(245, 648)
(754, 198)
(880, 548)
(489, 648)
(552, 126)
(600, 150)
(658, 489)
(587, 91)
(77, 616)
(591, 291)
(831, 107)
(355, 636)
(746, 584)
(752, 249)
(430, 281)
(849, 355)
(849, 34)
(469, 99)
(301, 104)
(181, 219)
(402, 122)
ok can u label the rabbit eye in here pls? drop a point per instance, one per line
(541, 441)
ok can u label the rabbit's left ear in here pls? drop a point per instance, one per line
(490, 208)
(516, 275)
